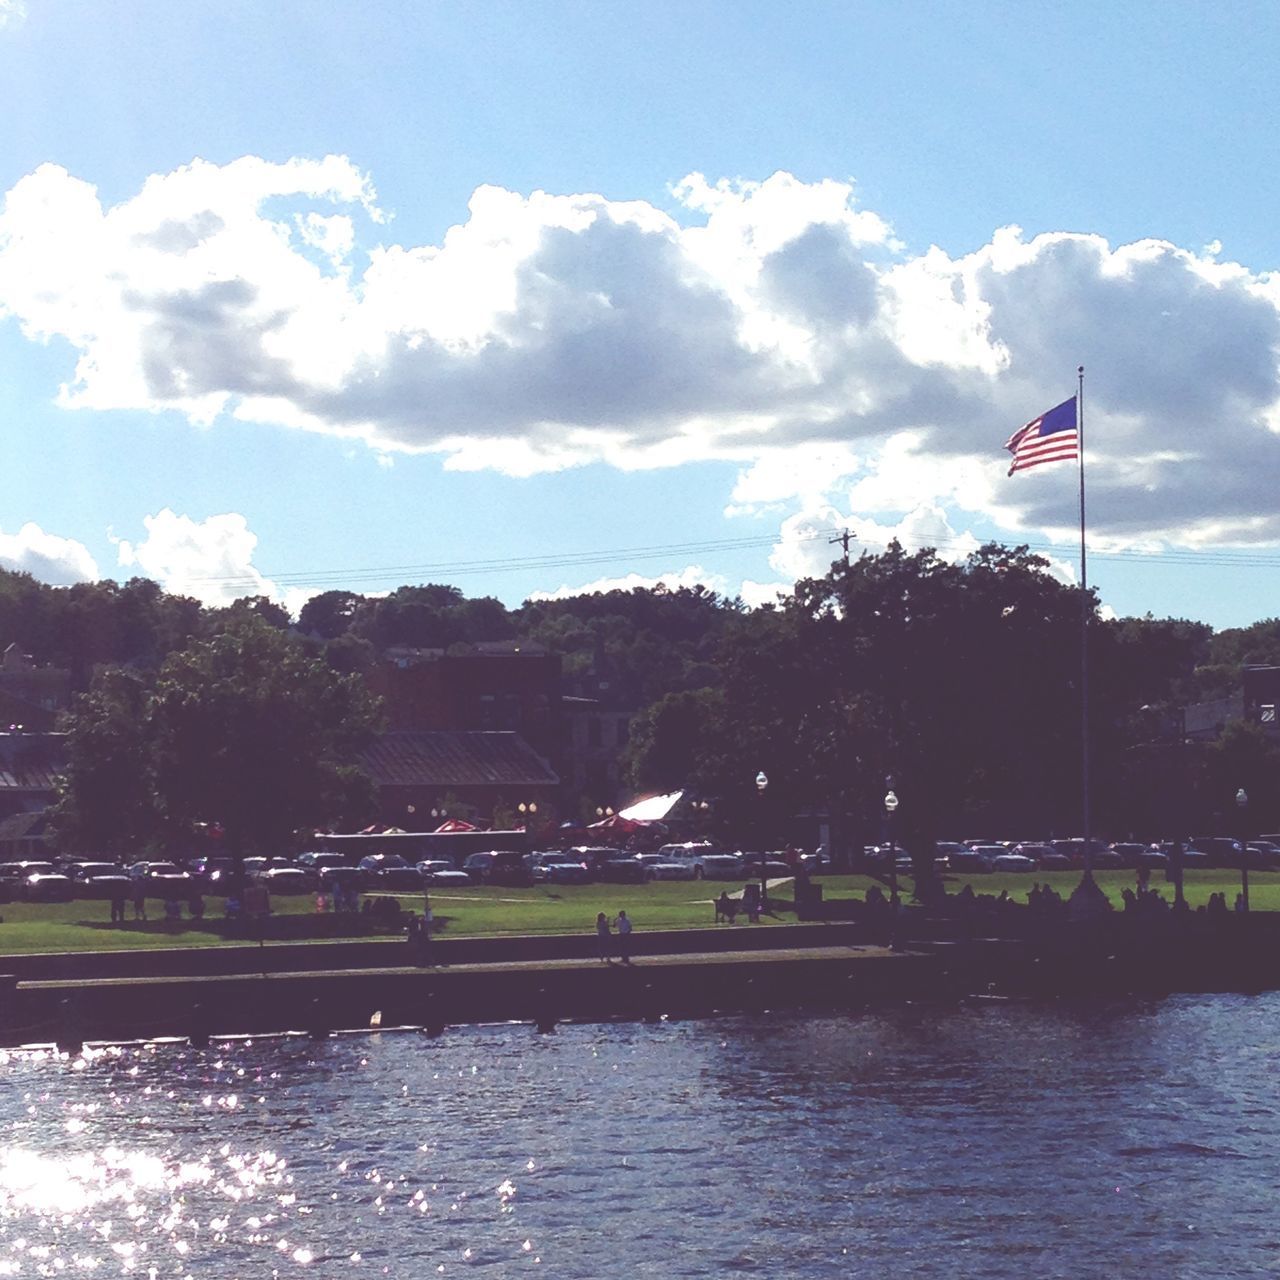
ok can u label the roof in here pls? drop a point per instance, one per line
(456, 758)
(24, 826)
(31, 761)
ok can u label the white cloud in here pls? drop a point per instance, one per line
(210, 559)
(754, 594)
(691, 576)
(776, 324)
(12, 13)
(780, 476)
(47, 557)
(805, 548)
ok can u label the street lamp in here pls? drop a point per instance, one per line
(890, 808)
(1242, 804)
(762, 784)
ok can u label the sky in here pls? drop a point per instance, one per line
(540, 297)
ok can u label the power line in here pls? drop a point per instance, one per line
(449, 569)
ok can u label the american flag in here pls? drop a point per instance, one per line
(1052, 437)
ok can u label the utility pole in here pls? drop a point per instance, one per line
(843, 540)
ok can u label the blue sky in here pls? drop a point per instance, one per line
(533, 296)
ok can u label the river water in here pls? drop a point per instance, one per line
(1130, 1138)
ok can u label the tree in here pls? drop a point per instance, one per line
(251, 731)
(329, 614)
(107, 801)
(673, 742)
(246, 729)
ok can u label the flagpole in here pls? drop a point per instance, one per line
(1084, 641)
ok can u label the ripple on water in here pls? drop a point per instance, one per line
(997, 1140)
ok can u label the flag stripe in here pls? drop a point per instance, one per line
(1052, 437)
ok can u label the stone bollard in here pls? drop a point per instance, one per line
(432, 1016)
(318, 1027)
(543, 1019)
(650, 1010)
(70, 1039)
(198, 1035)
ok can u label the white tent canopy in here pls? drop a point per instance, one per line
(652, 808)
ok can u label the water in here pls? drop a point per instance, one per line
(993, 1140)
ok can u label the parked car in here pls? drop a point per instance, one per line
(656, 867)
(49, 886)
(1129, 852)
(988, 853)
(450, 877)
(213, 872)
(1073, 848)
(620, 870)
(1264, 854)
(254, 867)
(431, 866)
(498, 866)
(968, 861)
(708, 863)
(595, 856)
(99, 879)
(1013, 862)
(1222, 850)
(313, 860)
(165, 879)
(1034, 850)
(286, 880)
(561, 870)
(15, 872)
(1053, 861)
(377, 862)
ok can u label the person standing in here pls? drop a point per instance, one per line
(623, 924)
(603, 937)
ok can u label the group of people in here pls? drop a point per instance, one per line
(605, 937)
(137, 893)
(341, 898)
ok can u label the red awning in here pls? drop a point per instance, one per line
(455, 824)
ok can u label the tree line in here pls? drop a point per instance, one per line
(960, 682)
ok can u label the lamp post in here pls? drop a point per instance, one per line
(890, 808)
(1242, 805)
(762, 784)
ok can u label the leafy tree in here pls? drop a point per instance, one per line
(251, 731)
(107, 801)
(263, 607)
(329, 614)
(674, 742)
(246, 729)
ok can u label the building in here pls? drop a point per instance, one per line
(29, 767)
(1254, 702)
(499, 686)
(426, 776)
(599, 706)
(31, 696)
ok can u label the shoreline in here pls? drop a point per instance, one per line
(543, 979)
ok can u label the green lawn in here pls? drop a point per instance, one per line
(482, 911)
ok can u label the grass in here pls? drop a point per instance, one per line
(487, 912)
